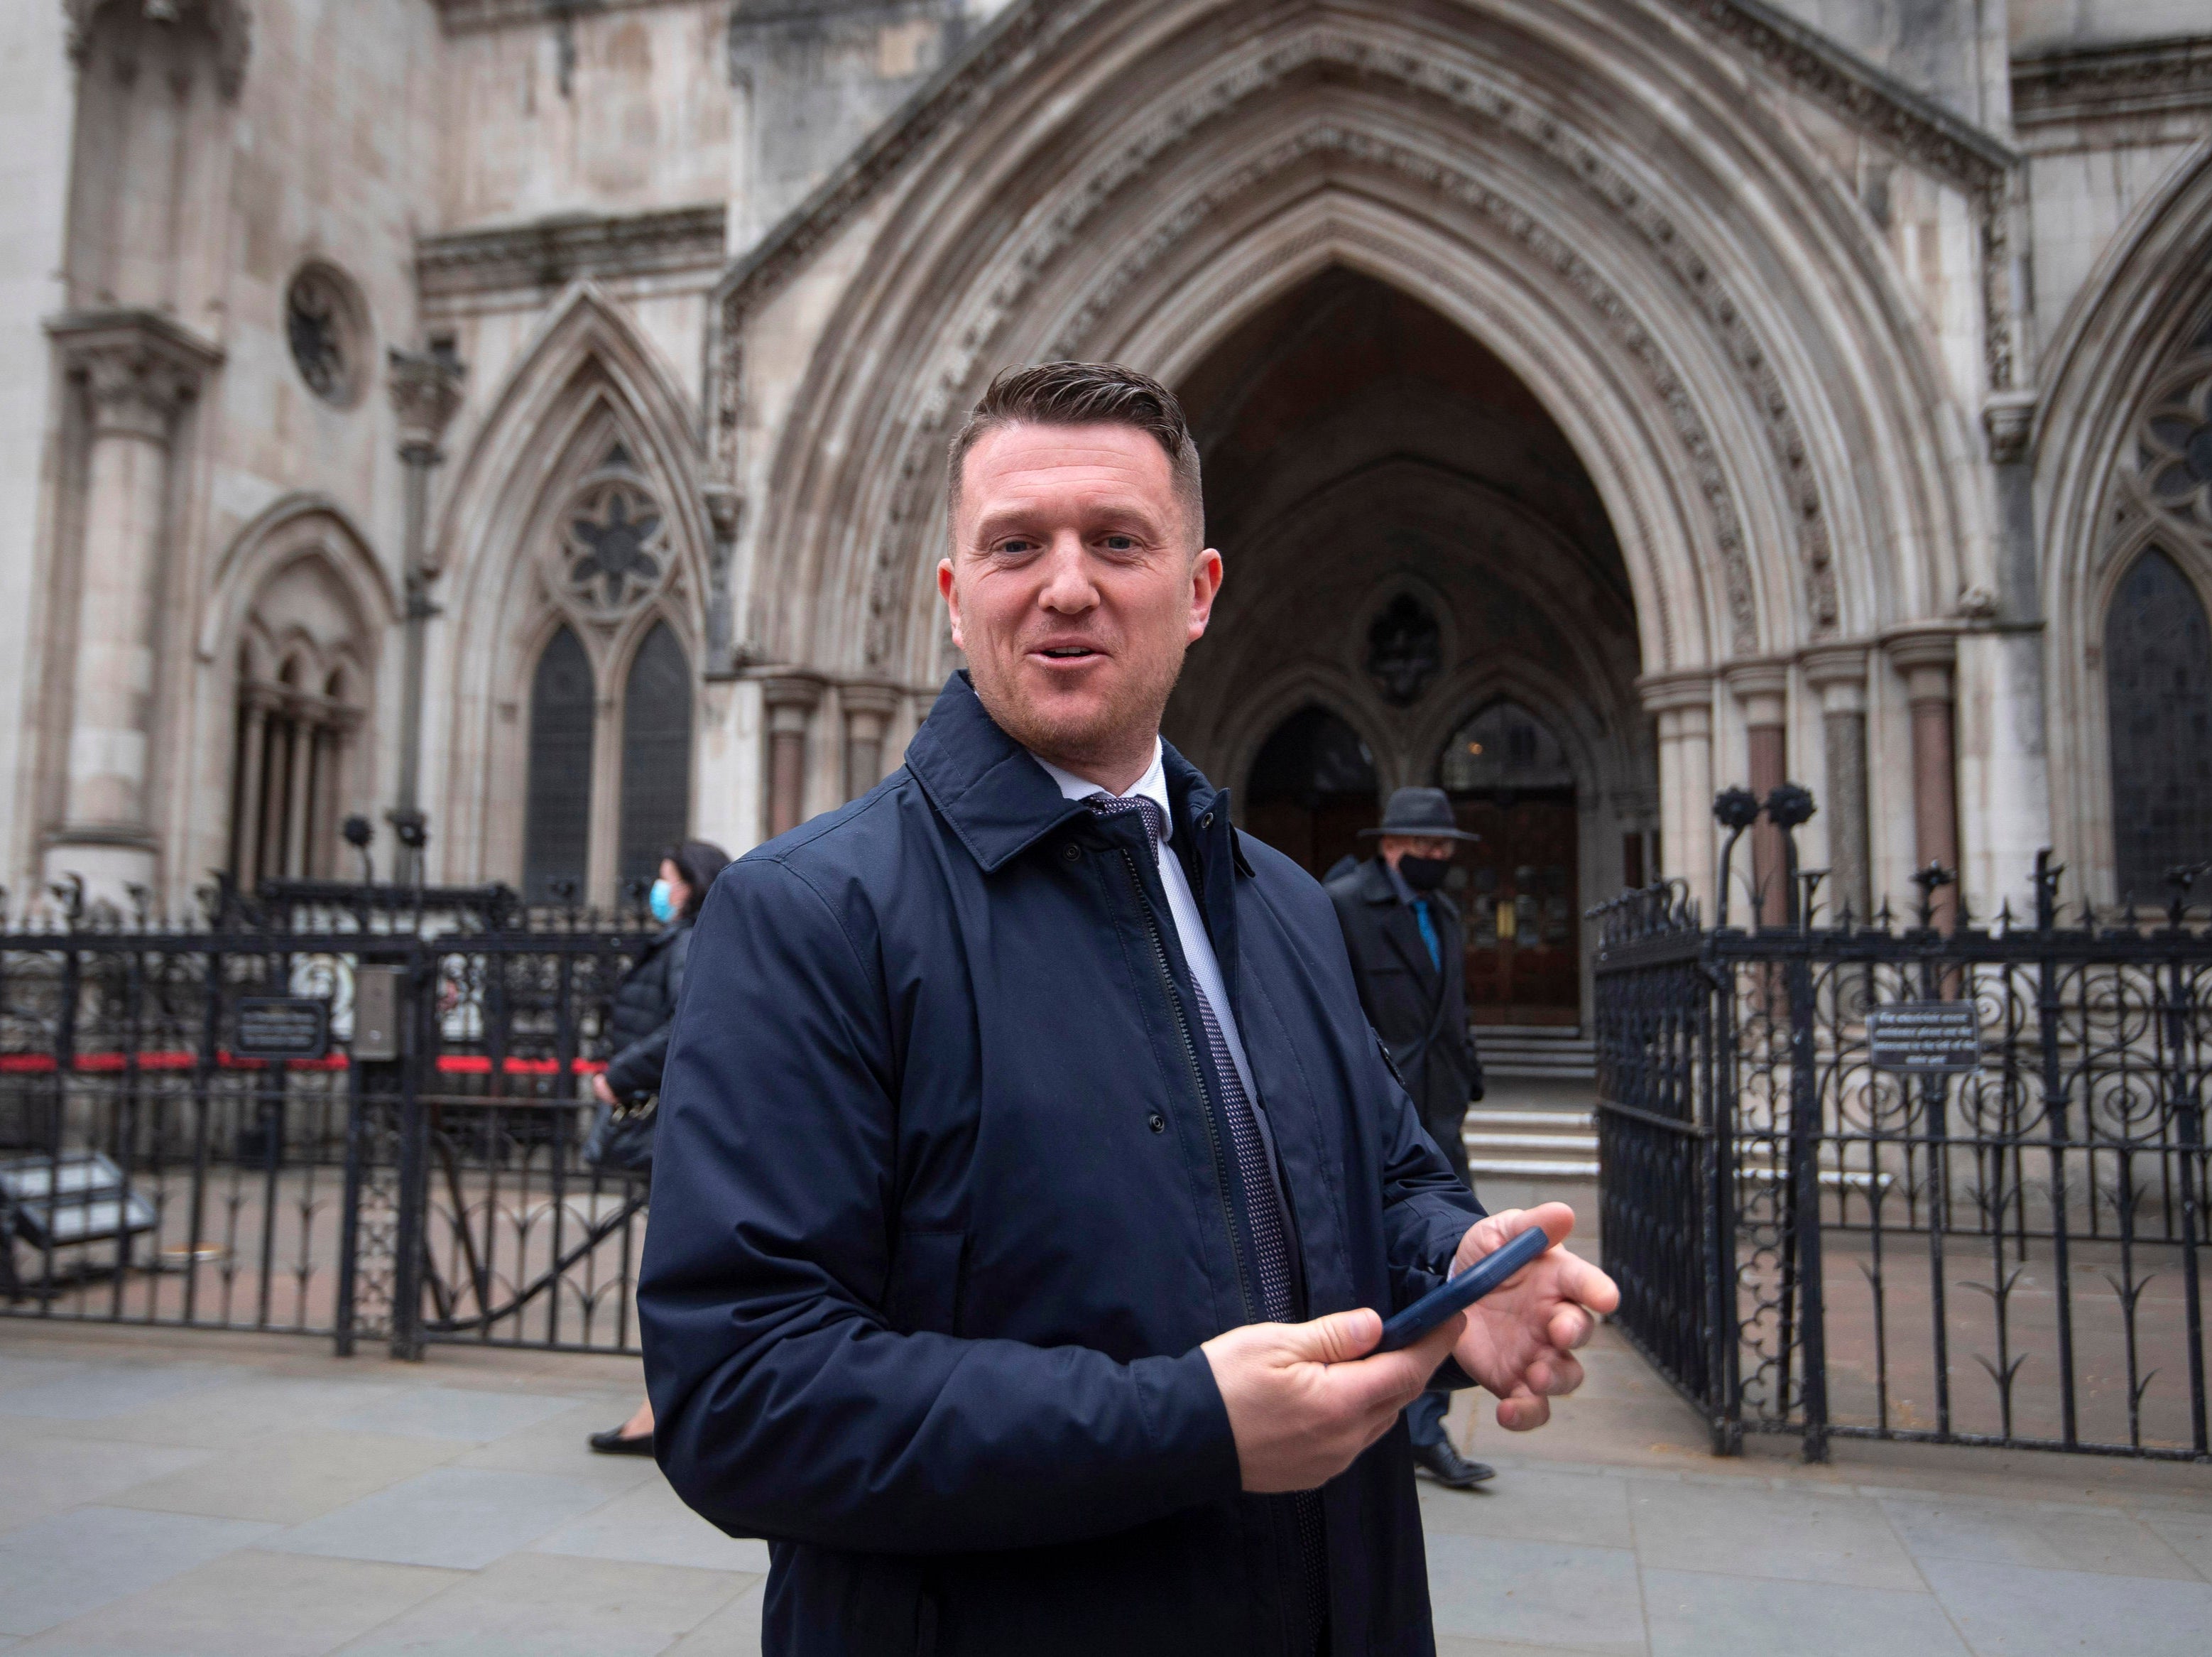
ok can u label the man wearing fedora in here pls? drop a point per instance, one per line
(1406, 958)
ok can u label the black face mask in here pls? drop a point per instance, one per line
(1424, 873)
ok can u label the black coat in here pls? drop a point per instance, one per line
(644, 1013)
(940, 1218)
(1420, 1011)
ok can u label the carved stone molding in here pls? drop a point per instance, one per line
(972, 336)
(426, 394)
(552, 251)
(229, 21)
(476, 16)
(140, 368)
(2142, 77)
(2010, 419)
(1670, 692)
(1917, 130)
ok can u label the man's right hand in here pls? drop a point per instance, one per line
(1304, 1403)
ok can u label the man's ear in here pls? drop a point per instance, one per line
(951, 599)
(1205, 586)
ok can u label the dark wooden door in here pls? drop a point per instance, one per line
(1519, 907)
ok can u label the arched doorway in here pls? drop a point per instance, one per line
(1312, 789)
(1416, 558)
(1511, 783)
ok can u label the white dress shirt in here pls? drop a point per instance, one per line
(1189, 924)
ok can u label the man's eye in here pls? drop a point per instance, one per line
(1120, 543)
(1016, 548)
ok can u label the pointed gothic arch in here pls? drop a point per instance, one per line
(1737, 389)
(2136, 337)
(289, 645)
(577, 505)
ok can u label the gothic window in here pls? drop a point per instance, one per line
(2175, 446)
(556, 835)
(1505, 748)
(302, 685)
(1313, 787)
(326, 325)
(292, 738)
(2158, 657)
(613, 553)
(656, 754)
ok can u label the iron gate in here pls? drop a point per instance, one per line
(417, 1180)
(1810, 1241)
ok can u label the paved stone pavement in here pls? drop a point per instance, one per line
(250, 1496)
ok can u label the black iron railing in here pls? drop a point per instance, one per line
(1824, 1224)
(412, 1176)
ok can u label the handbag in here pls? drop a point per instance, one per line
(621, 1139)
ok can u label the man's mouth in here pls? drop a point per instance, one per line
(1066, 652)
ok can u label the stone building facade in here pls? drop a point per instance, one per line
(530, 413)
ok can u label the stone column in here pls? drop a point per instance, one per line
(1838, 674)
(139, 370)
(251, 760)
(426, 390)
(1926, 660)
(1683, 704)
(868, 709)
(790, 702)
(1762, 691)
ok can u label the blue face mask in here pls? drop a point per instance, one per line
(661, 901)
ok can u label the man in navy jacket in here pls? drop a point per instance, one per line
(1028, 1181)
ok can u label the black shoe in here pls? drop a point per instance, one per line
(1448, 1468)
(615, 1443)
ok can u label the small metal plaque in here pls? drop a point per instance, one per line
(1925, 1038)
(376, 1013)
(282, 1026)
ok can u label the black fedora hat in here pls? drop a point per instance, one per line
(1419, 814)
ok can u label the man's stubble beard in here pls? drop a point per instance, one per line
(1073, 749)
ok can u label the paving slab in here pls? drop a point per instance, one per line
(55, 1569)
(477, 1416)
(250, 1604)
(1536, 1592)
(1740, 1528)
(732, 1631)
(1696, 1614)
(2044, 1537)
(1534, 1504)
(297, 1477)
(94, 1392)
(2190, 1535)
(2021, 1611)
(48, 1473)
(652, 1525)
(241, 1413)
(538, 1606)
(460, 1517)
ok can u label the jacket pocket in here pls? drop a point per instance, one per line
(927, 1273)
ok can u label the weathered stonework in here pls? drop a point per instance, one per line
(1851, 333)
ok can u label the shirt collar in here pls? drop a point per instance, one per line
(1153, 786)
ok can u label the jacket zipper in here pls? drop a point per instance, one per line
(1197, 1080)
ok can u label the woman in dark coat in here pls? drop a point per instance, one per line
(644, 1013)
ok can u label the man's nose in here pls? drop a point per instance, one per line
(1067, 585)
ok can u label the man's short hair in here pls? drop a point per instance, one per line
(1085, 395)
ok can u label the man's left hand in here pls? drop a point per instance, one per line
(1519, 1339)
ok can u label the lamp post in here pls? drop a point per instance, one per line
(426, 390)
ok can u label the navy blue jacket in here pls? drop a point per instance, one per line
(941, 1215)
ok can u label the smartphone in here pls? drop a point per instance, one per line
(1458, 1293)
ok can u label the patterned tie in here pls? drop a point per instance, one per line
(1270, 1238)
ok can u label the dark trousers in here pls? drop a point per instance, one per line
(1424, 1415)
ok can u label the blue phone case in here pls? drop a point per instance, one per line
(1464, 1291)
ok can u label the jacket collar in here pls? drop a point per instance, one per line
(998, 801)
